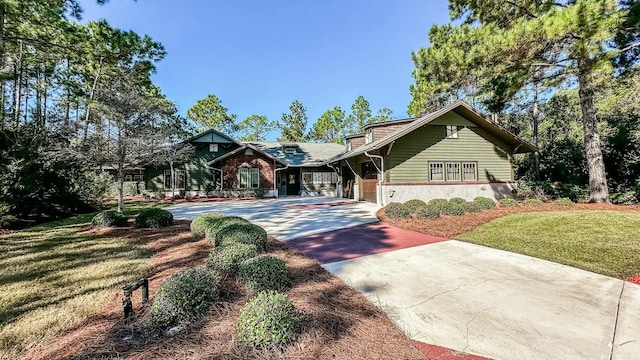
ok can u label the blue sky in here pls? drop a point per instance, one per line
(259, 56)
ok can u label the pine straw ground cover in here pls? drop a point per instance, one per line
(338, 322)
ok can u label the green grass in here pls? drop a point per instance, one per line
(55, 276)
(604, 242)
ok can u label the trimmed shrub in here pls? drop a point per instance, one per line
(200, 224)
(508, 202)
(457, 200)
(472, 207)
(154, 218)
(452, 208)
(563, 202)
(228, 258)
(270, 318)
(185, 296)
(484, 203)
(533, 202)
(217, 224)
(438, 204)
(264, 273)
(428, 212)
(414, 204)
(109, 218)
(397, 211)
(245, 233)
(624, 198)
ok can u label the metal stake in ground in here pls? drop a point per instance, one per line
(127, 305)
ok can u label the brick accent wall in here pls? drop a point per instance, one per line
(232, 164)
(383, 130)
(356, 142)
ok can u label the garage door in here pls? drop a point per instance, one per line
(369, 192)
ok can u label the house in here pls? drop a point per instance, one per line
(452, 152)
(278, 168)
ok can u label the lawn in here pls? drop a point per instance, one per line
(57, 275)
(604, 242)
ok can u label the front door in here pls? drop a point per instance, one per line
(293, 183)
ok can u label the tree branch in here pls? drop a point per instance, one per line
(632, 46)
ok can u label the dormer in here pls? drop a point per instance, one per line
(290, 148)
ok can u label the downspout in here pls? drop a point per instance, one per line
(275, 176)
(339, 183)
(381, 169)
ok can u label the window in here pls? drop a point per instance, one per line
(452, 132)
(248, 178)
(436, 171)
(179, 179)
(248, 152)
(349, 146)
(453, 171)
(368, 136)
(290, 150)
(469, 171)
(128, 178)
(319, 178)
(138, 178)
(213, 147)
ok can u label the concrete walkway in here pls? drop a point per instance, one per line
(452, 294)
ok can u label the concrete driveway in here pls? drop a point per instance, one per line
(452, 294)
(287, 217)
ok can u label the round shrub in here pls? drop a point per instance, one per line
(508, 202)
(217, 224)
(185, 296)
(533, 202)
(414, 204)
(245, 233)
(452, 208)
(264, 273)
(563, 202)
(484, 203)
(269, 318)
(438, 204)
(397, 211)
(457, 200)
(154, 218)
(200, 224)
(428, 212)
(472, 207)
(228, 258)
(108, 219)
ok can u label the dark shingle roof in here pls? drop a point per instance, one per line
(307, 154)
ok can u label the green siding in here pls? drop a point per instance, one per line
(452, 118)
(410, 155)
(210, 138)
(197, 169)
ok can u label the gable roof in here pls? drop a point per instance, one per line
(307, 155)
(461, 108)
(212, 136)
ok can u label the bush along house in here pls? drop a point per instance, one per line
(452, 152)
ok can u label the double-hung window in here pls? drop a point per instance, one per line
(469, 172)
(179, 178)
(453, 171)
(248, 178)
(452, 132)
(436, 171)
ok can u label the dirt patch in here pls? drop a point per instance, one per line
(338, 322)
(449, 226)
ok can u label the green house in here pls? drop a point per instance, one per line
(452, 152)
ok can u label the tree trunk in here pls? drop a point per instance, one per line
(17, 87)
(535, 117)
(598, 190)
(121, 159)
(90, 99)
(173, 180)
